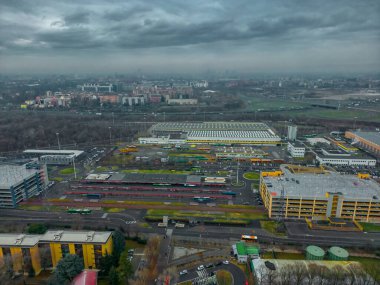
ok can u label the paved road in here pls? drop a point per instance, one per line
(237, 274)
(117, 220)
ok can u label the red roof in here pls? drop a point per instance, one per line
(87, 277)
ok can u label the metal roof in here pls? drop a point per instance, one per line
(74, 153)
(369, 136)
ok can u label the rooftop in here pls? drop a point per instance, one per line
(75, 153)
(13, 174)
(76, 236)
(312, 185)
(369, 136)
(233, 134)
(243, 249)
(18, 240)
(222, 126)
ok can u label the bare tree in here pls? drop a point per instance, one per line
(299, 272)
(285, 275)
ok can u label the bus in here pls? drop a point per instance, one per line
(79, 211)
(94, 195)
(232, 193)
(249, 238)
(202, 199)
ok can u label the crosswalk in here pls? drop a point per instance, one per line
(202, 277)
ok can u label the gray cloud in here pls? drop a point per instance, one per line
(197, 28)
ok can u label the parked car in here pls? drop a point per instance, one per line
(183, 272)
(200, 267)
(209, 265)
(226, 262)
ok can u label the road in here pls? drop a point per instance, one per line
(119, 220)
(237, 274)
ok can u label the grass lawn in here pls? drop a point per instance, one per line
(113, 210)
(67, 171)
(133, 244)
(224, 277)
(284, 255)
(56, 179)
(251, 175)
(102, 168)
(271, 226)
(195, 214)
(369, 227)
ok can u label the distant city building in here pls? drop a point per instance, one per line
(292, 133)
(199, 84)
(113, 99)
(132, 101)
(96, 87)
(182, 101)
(296, 149)
(21, 182)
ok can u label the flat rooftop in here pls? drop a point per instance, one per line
(76, 153)
(19, 240)
(222, 126)
(369, 136)
(11, 174)
(312, 185)
(343, 155)
(233, 135)
(76, 236)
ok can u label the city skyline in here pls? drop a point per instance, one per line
(173, 36)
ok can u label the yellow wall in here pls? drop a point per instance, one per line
(72, 248)
(88, 255)
(16, 258)
(56, 253)
(36, 259)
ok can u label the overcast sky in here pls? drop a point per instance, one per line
(189, 36)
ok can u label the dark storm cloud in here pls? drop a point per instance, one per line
(196, 27)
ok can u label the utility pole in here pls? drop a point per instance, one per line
(109, 128)
(75, 171)
(59, 145)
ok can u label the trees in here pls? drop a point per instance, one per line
(105, 264)
(125, 268)
(118, 244)
(38, 229)
(67, 268)
(113, 277)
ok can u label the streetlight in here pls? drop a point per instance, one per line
(355, 122)
(109, 128)
(59, 145)
(75, 171)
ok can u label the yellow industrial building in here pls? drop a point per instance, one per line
(298, 193)
(44, 251)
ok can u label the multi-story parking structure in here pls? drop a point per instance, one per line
(20, 182)
(300, 192)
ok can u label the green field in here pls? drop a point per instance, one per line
(271, 226)
(369, 227)
(251, 175)
(173, 214)
(67, 171)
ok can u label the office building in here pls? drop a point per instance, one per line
(57, 157)
(296, 149)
